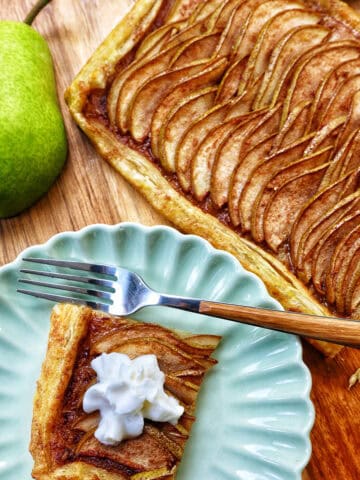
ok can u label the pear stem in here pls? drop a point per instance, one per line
(39, 5)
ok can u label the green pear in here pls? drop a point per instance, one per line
(33, 145)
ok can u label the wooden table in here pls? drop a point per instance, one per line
(89, 191)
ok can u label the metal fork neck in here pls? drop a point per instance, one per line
(190, 304)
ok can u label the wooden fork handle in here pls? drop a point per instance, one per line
(330, 329)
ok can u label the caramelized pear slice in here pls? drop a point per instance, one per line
(206, 9)
(131, 456)
(157, 45)
(229, 34)
(318, 230)
(154, 91)
(197, 48)
(202, 163)
(270, 35)
(206, 343)
(173, 447)
(197, 132)
(341, 160)
(353, 120)
(284, 175)
(153, 42)
(340, 260)
(313, 211)
(178, 120)
(289, 50)
(182, 10)
(225, 13)
(294, 127)
(307, 76)
(113, 340)
(145, 71)
(353, 287)
(170, 358)
(228, 155)
(127, 83)
(234, 29)
(184, 391)
(328, 86)
(342, 100)
(259, 15)
(253, 157)
(283, 208)
(326, 135)
(207, 77)
(321, 257)
(88, 422)
(230, 82)
(258, 174)
(190, 140)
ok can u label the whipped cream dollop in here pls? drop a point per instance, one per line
(128, 391)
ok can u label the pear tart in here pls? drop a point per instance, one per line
(239, 121)
(63, 444)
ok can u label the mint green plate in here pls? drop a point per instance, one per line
(254, 414)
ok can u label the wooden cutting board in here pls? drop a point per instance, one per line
(89, 191)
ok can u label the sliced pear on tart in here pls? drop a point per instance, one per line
(327, 135)
(259, 15)
(271, 34)
(353, 285)
(149, 97)
(325, 248)
(156, 46)
(128, 82)
(63, 441)
(228, 6)
(146, 71)
(316, 231)
(231, 151)
(196, 48)
(241, 173)
(155, 41)
(231, 32)
(313, 212)
(352, 123)
(202, 163)
(229, 85)
(286, 203)
(178, 120)
(294, 127)
(192, 138)
(313, 68)
(292, 46)
(253, 179)
(340, 159)
(279, 179)
(206, 77)
(206, 10)
(329, 85)
(341, 102)
(344, 252)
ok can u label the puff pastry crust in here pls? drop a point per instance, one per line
(62, 442)
(156, 184)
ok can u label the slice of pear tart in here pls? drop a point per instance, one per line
(239, 121)
(63, 441)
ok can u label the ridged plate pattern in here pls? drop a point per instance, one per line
(254, 414)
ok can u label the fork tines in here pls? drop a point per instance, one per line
(101, 296)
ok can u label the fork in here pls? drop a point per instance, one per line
(121, 292)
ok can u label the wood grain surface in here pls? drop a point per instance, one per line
(89, 191)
